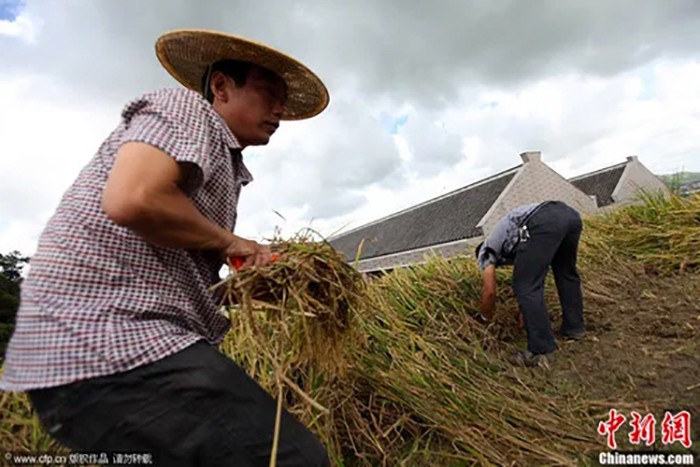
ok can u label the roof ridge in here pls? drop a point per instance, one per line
(597, 172)
(432, 200)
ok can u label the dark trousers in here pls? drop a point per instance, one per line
(194, 408)
(554, 232)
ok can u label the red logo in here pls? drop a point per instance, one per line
(609, 428)
(674, 428)
(642, 429)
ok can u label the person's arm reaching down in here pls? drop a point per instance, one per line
(488, 291)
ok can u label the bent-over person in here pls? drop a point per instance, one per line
(532, 238)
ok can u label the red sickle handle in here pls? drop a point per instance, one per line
(237, 261)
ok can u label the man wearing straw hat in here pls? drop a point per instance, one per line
(116, 335)
(532, 238)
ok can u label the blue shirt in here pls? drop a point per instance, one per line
(499, 247)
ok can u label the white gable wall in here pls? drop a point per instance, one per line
(635, 180)
(534, 183)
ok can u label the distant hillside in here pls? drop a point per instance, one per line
(679, 178)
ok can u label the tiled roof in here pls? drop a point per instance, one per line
(600, 183)
(450, 217)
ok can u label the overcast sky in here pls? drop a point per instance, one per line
(426, 97)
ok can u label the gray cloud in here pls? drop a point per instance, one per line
(377, 57)
(343, 152)
(434, 146)
(410, 50)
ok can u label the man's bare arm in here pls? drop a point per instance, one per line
(488, 291)
(143, 194)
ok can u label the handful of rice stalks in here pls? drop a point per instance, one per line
(303, 301)
(291, 326)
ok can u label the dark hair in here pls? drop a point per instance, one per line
(478, 249)
(236, 69)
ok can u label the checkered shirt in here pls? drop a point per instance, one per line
(99, 299)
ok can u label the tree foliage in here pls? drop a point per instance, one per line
(11, 266)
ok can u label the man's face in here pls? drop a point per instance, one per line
(252, 111)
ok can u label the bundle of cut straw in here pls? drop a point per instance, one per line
(292, 326)
(398, 371)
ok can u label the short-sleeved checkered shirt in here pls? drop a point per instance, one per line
(99, 299)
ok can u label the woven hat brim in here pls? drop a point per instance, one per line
(186, 54)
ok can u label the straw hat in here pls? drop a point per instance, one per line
(187, 53)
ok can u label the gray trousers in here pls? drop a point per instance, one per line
(554, 231)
